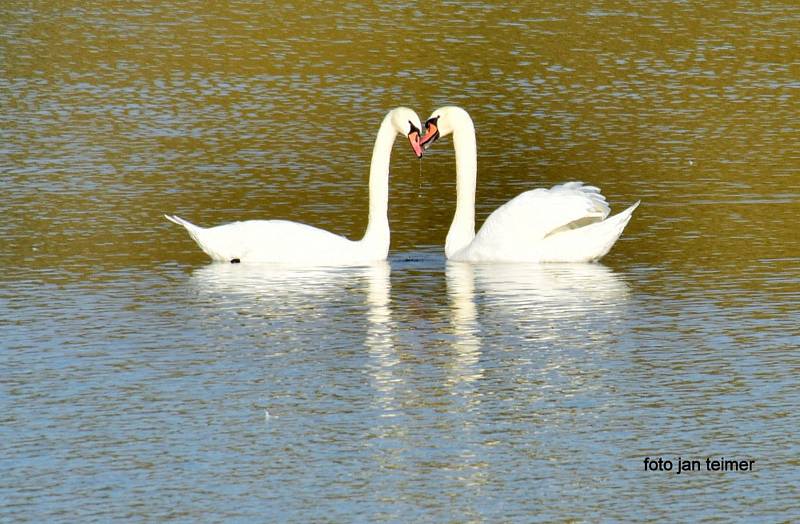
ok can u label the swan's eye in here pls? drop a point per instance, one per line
(414, 128)
(434, 120)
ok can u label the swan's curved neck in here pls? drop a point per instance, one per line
(377, 233)
(462, 230)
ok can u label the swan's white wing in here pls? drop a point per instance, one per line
(536, 214)
(515, 230)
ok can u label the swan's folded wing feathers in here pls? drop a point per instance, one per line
(536, 214)
(591, 194)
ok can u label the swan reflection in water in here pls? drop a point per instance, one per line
(303, 290)
(338, 306)
(524, 305)
(331, 317)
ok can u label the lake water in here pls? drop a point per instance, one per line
(141, 382)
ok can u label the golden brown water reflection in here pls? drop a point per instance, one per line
(113, 113)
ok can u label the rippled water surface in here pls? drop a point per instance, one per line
(141, 382)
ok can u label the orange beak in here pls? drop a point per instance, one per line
(431, 133)
(413, 138)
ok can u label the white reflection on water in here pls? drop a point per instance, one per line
(262, 285)
(535, 328)
(563, 315)
(380, 329)
(554, 294)
(464, 321)
(538, 304)
(302, 307)
(337, 306)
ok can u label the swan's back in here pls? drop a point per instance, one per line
(278, 241)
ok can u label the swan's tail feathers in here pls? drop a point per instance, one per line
(624, 217)
(181, 222)
(613, 228)
(194, 231)
(588, 243)
(174, 219)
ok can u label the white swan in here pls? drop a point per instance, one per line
(566, 223)
(288, 242)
